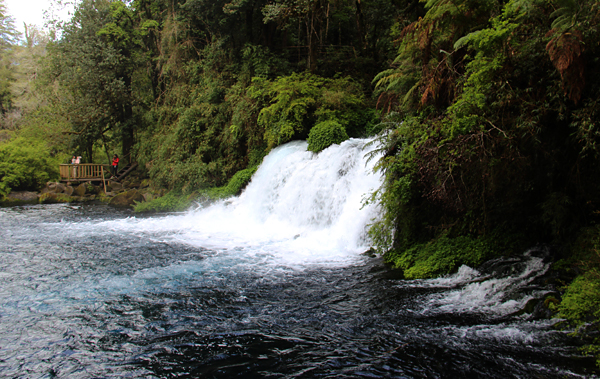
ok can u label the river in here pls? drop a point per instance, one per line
(272, 284)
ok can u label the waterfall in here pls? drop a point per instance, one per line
(300, 206)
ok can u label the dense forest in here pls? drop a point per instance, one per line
(485, 113)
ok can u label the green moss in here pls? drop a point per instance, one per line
(176, 201)
(52, 198)
(580, 305)
(235, 185)
(171, 202)
(325, 134)
(581, 301)
(443, 255)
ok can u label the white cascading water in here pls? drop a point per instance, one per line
(470, 291)
(299, 208)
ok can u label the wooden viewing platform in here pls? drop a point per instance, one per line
(87, 172)
(83, 172)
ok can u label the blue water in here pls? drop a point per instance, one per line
(83, 297)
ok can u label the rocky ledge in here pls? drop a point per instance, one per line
(124, 194)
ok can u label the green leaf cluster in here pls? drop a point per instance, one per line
(235, 185)
(300, 101)
(325, 134)
(442, 255)
(173, 201)
(25, 165)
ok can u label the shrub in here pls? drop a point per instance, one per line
(325, 134)
(171, 202)
(235, 185)
(25, 165)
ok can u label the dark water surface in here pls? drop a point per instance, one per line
(93, 292)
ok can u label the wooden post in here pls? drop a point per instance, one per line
(103, 181)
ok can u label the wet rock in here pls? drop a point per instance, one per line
(57, 188)
(114, 186)
(80, 190)
(372, 253)
(133, 183)
(51, 198)
(22, 196)
(91, 189)
(127, 198)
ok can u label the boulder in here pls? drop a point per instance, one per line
(49, 198)
(22, 196)
(92, 189)
(114, 186)
(127, 198)
(69, 190)
(133, 183)
(57, 188)
(80, 190)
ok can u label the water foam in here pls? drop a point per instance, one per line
(299, 207)
(488, 294)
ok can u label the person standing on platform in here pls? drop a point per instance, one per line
(115, 165)
(75, 161)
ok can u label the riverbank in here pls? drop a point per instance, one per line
(127, 193)
(133, 191)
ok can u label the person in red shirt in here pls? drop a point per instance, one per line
(115, 165)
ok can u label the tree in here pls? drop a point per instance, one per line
(8, 39)
(94, 62)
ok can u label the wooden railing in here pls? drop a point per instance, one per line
(83, 171)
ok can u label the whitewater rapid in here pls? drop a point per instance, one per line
(299, 207)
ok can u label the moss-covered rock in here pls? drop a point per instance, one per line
(445, 255)
(171, 202)
(80, 190)
(19, 197)
(52, 198)
(126, 199)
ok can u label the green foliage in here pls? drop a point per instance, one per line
(176, 201)
(581, 301)
(97, 64)
(25, 165)
(300, 101)
(235, 185)
(291, 113)
(8, 37)
(441, 256)
(325, 134)
(496, 126)
(580, 304)
(173, 201)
